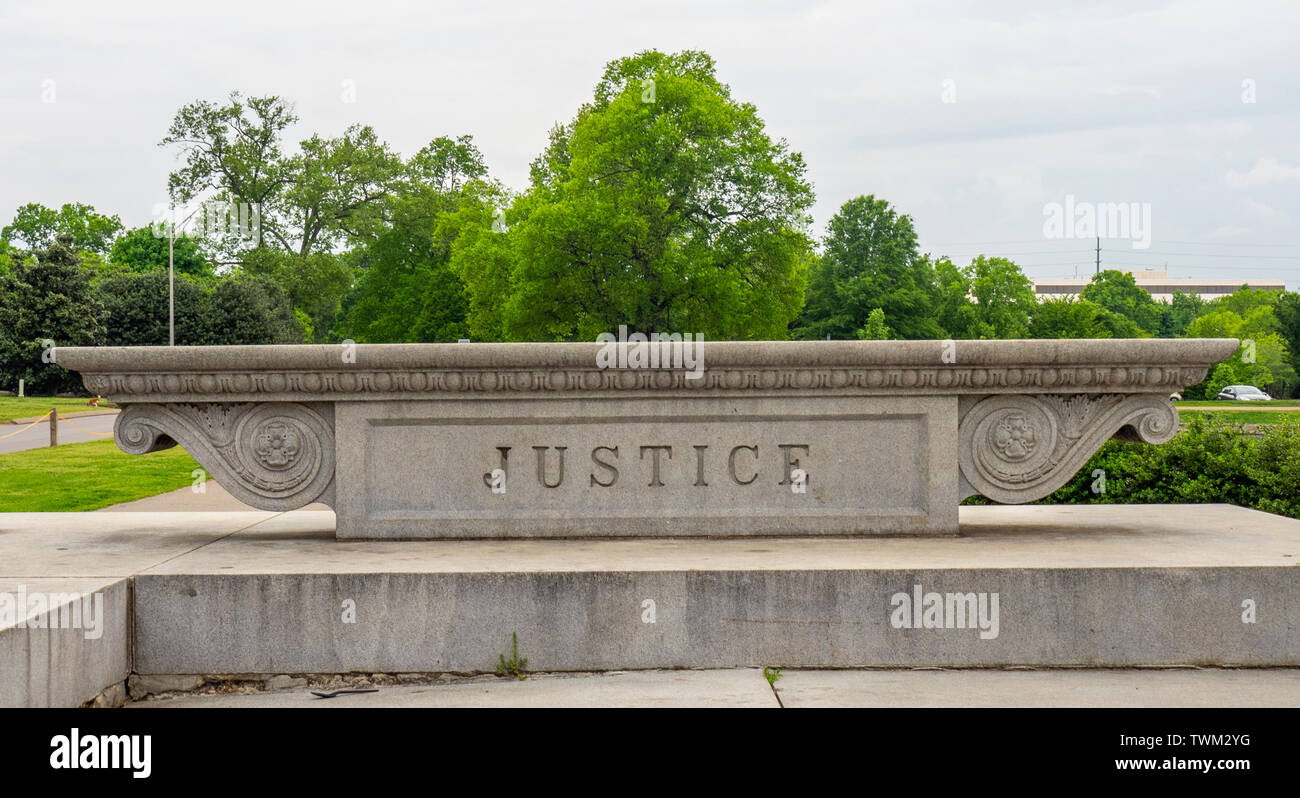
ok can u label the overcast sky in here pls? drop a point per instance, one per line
(972, 117)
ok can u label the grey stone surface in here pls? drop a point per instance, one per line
(1183, 687)
(746, 687)
(890, 434)
(141, 685)
(681, 688)
(646, 467)
(260, 593)
(1075, 586)
(107, 544)
(115, 695)
(213, 499)
(284, 682)
(52, 658)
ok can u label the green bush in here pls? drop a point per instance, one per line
(1209, 461)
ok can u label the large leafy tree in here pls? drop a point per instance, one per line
(136, 309)
(1119, 293)
(142, 250)
(1004, 298)
(234, 310)
(871, 261)
(1264, 359)
(36, 227)
(46, 298)
(1068, 317)
(1180, 312)
(1287, 311)
(234, 152)
(307, 203)
(664, 205)
(406, 289)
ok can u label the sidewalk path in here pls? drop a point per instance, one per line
(214, 498)
(746, 687)
(39, 435)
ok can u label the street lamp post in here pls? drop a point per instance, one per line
(171, 274)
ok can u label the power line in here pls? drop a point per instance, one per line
(1165, 240)
(1223, 267)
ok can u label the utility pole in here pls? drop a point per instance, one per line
(1098, 255)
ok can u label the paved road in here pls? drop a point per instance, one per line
(39, 435)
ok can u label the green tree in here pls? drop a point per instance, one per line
(47, 298)
(663, 205)
(136, 309)
(36, 227)
(1119, 293)
(8, 255)
(871, 261)
(1287, 312)
(1180, 312)
(1263, 360)
(954, 310)
(315, 283)
(142, 250)
(406, 289)
(234, 152)
(247, 309)
(875, 329)
(1004, 298)
(1067, 317)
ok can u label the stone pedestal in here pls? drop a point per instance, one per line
(414, 441)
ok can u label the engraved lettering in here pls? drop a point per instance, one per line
(699, 467)
(490, 478)
(655, 482)
(607, 466)
(541, 466)
(731, 465)
(792, 462)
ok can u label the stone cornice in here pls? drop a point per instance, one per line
(425, 371)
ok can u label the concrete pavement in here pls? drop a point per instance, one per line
(267, 594)
(747, 687)
(95, 427)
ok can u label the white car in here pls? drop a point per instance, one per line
(1243, 393)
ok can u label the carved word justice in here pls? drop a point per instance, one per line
(744, 464)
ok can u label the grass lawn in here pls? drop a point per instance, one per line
(1229, 403)
(87, 476)
(28, 406)
(1241, 416)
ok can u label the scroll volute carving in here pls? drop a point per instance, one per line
(1019, 448)
(275, 456)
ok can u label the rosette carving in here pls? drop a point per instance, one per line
(1018, 448)
(274, 456)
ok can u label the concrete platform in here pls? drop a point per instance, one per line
(746, 687)
(265, 593)
(1190, 688)
(665, 689)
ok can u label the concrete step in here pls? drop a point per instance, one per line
(1097, 586)
(264, 593)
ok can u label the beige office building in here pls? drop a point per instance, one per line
(1160, 286)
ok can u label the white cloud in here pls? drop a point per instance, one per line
(1266, 170)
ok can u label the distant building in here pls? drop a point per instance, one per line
(1159, 285)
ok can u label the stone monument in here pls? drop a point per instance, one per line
(540, 440)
